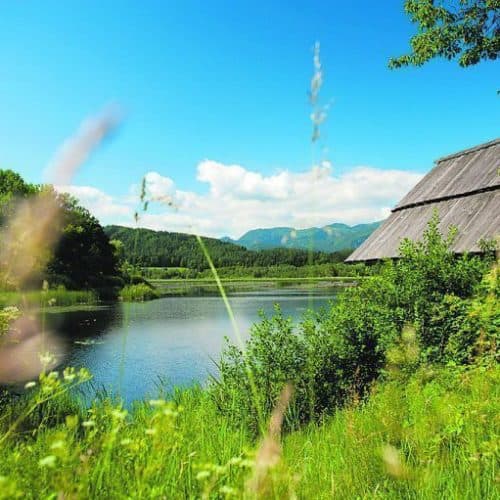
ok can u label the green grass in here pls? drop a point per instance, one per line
(433, 436)
(337, 279)
(49, 298)
(138, 293)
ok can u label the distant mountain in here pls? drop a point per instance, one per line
(330, 238)
(165, 249)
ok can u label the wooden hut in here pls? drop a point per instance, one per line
(464, 188)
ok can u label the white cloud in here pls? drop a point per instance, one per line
(102, 205)
(239, 199)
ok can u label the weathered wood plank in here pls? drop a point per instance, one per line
(470, 180)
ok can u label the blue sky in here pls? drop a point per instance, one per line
(218, 90)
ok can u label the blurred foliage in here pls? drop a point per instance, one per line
(83, 257)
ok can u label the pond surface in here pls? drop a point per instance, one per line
(132, 348)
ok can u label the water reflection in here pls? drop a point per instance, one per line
(129, 347)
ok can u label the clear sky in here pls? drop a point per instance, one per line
(217, 114)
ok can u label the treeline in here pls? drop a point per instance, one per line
(83, 257)
(148, 248)
(279, 271)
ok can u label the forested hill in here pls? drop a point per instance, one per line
(331, 238)
(149, 248)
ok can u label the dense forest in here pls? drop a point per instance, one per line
(148, 248)
(83, 258)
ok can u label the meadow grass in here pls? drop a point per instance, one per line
(138, 293)
(434, 435)
(47, 298)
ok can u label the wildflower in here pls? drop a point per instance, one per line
(29, 385)
(57, 445)
(69, 375)
(392, 461)
(157, 402)
(168, 412)
(119, 414)
(84, 374)
(11, 310)
(46, 359)
(204, 474)
(71, 421)
(227, 490)
(48, 461)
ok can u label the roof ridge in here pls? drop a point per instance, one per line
(469, 150)
(454, 196)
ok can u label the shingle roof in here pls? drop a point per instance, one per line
(464, 188)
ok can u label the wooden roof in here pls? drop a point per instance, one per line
(464, 188)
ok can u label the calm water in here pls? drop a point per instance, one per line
(129, 348)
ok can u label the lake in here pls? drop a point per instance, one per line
(131, 348)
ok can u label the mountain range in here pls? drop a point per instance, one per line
(331, 238)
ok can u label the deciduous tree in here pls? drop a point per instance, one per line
(467, 30)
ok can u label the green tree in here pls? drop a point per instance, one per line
(12, 187)
(465, 29)
(84, 257)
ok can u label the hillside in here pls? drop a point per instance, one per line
(149, 248)
(331, 238)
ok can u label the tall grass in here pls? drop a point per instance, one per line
(432, 436)
(47, 298)
(138, 293)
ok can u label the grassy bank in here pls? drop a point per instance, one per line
(307, 279)
(49, 298)
(138, 293)
(431, 436)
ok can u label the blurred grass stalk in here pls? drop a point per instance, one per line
(27, 240)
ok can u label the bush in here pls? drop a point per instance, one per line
(333, 357)
(138, 293)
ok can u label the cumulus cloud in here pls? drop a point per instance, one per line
(239, 199)
(102, 205)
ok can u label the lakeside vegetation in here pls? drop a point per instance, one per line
(392, 393)
(282, 271)
(139, 293)
(47, 298)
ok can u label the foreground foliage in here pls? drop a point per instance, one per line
(433, 435)
(439, 301)
(396, 395)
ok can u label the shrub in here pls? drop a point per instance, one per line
(335, 356)
(138, 293)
